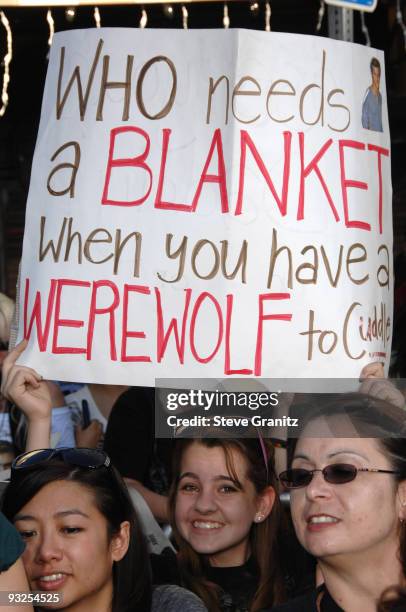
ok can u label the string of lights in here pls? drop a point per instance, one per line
(6, 62)
(320, 15)
(97, 18)
(268, 13)
(365, 30)
(226, 17)
(71, 7)
(185, 17)
(144, 19)
(51, 25)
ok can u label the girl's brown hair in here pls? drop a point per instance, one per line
(263, 536)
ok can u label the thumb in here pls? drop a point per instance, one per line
(372, 370)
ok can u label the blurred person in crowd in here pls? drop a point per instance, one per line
(92, 403)
(12, 574)
(6, 317)
(140, 457)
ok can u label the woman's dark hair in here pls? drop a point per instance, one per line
(263, 536)
(370, 417)
(131, 575)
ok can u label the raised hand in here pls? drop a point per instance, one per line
(373, 383)
(91, 436)
(25, 387)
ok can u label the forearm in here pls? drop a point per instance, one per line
(158, 504)
(38, 434)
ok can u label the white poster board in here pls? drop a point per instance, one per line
(208, 203)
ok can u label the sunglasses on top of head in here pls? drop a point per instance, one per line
(90, 458)
(336, 473)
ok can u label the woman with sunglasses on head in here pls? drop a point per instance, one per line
(81, 534)
(348, 502)
(83, 538)
(225, 515)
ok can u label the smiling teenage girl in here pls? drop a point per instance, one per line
(225, 516)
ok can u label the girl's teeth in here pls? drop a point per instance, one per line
(323, 519)
(202, 525)
(51, 578)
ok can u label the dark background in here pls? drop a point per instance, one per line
(19, 125)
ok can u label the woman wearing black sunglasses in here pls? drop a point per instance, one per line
(348, 502)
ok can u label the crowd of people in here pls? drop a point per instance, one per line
(234, 546)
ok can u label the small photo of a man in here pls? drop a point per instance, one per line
(372, 104)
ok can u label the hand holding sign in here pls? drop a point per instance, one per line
(25, 387)
(374, 383)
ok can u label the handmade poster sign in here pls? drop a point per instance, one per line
(208, 204)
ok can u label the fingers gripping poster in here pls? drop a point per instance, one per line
(208, 204)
